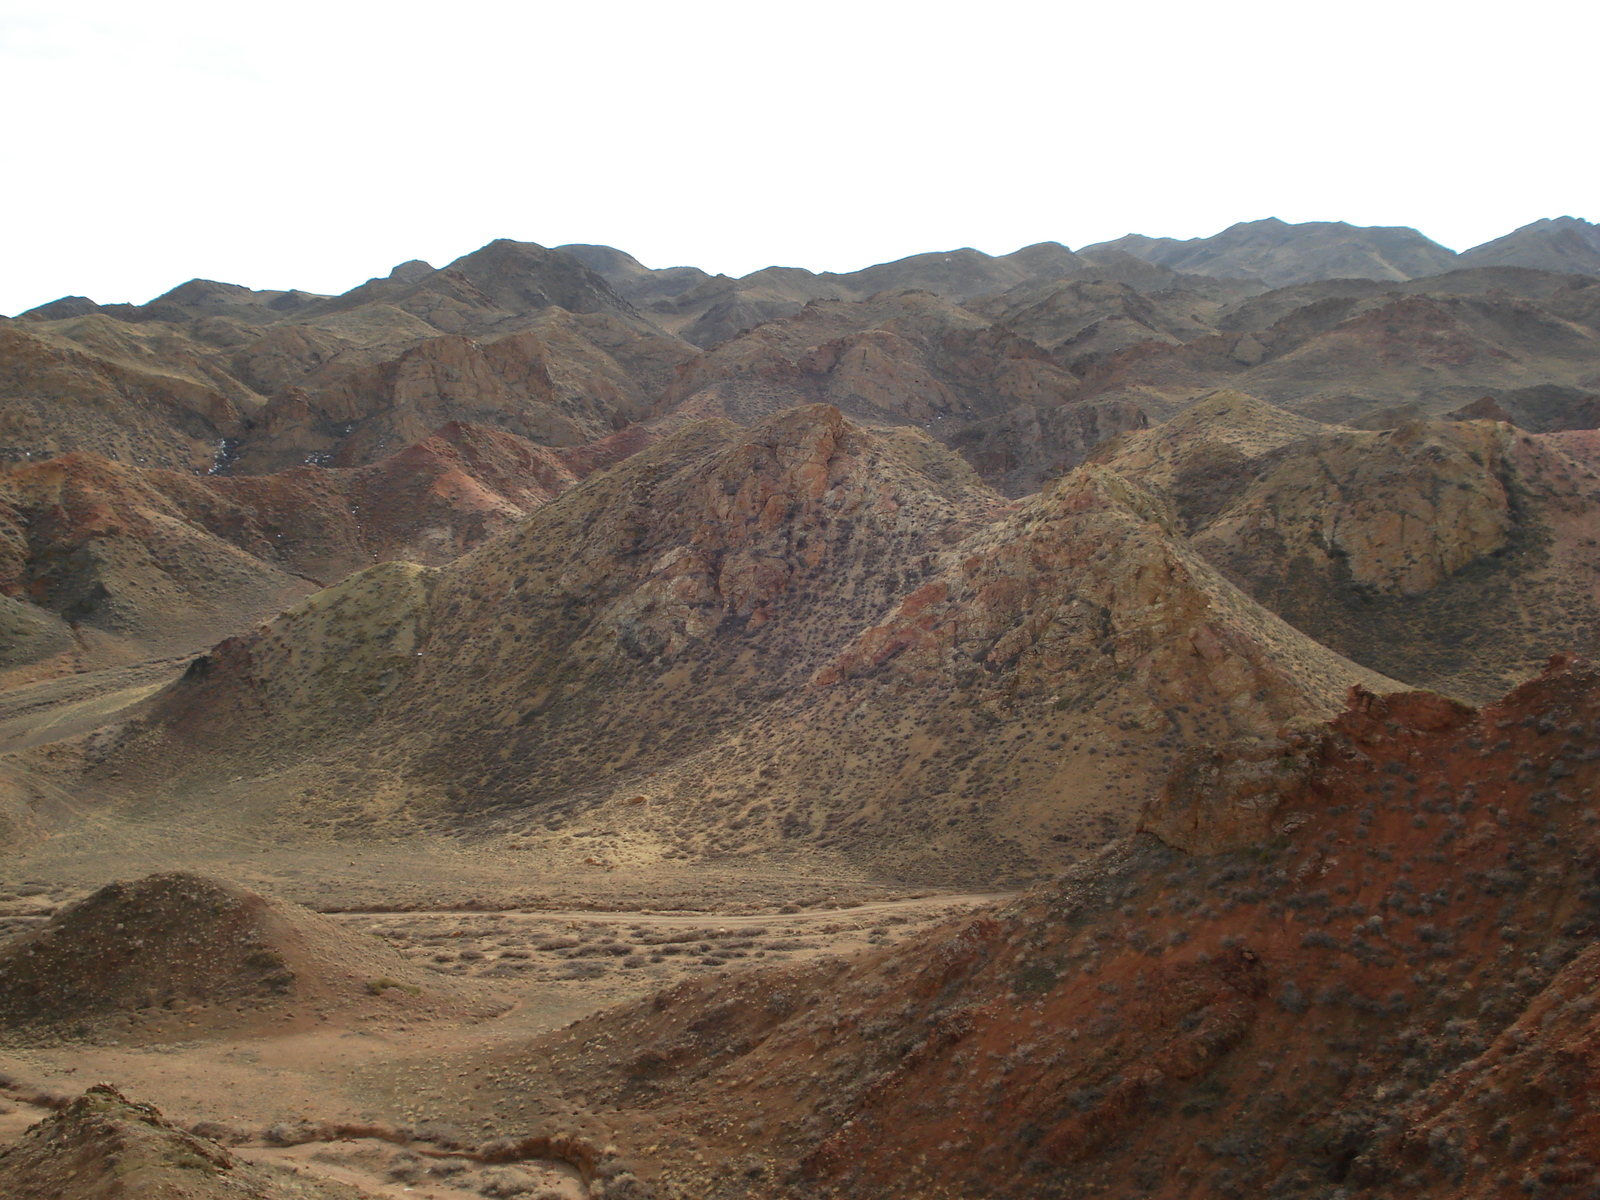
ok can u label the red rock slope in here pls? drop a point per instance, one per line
(1356, 960)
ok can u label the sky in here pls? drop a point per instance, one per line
(315, 145)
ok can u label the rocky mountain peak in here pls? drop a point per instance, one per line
(1551, 244)
(521, 276)
(411, 270)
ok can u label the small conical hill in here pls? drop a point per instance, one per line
(180, 941)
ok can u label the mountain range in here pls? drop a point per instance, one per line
(1178, 588)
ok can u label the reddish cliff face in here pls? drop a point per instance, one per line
(1353, 961)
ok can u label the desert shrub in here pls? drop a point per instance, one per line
(1290, 998)
(377, 987)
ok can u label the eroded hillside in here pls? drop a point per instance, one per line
(806, 636)
(1349, 959)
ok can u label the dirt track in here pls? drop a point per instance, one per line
(683, 916)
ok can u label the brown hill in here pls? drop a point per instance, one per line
(1197, 456)
(563, 380)
(103, 1146)
(357, 416)
(214, 376)
(631, 278)
(428, 503)
(113, 389)
(101, 562)
(186, 302)
(1350, 960)
(1544, 408)
(1337, 299)
(28, 634)
(172, 954)
(1025, 448)
(99, 545)
(1434, 346)
(1118, 266)
(708, 310)
(534, 342)
(1071, 318)
(1280, 253)
(1373, 362)
(804, 635)
(961, 274)
(503, 277)
(1558, 244)
(1454, 555)
(1000, 399)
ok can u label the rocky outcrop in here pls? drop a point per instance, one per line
(1223, 799)
(1400, 511)
(1445, 553)
(1253, 793)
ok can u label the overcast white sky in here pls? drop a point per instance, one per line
(315, 144)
